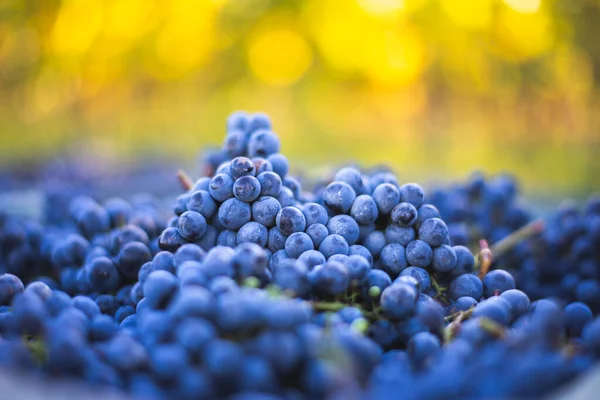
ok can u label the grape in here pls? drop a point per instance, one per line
(280, 164)
(314, 214)
(434, 232)
(393, 259)
(339, 196)
(297, 243)
(386, 196)
(317, 233)
(241, 166)
(234, 213)
(10, 286)
(345, 226)
(253, 232)
(159, 288)
(398, 300)
(334, 244)
(290, 220)
(276, 240)
(364, 210)
(420, 275)
(191, 225)
(466, 285)
(202, 202)
(397, 234)
(577, 315)
(404, 214)
(518, 301)
(422, 347)
(258, 284)
(419, 254)
(375, 242)
(270, 183)
(221, 187)
(494, 308)
(263, 143)
(497, 282)
(246, 189)
(444, 259)
(311, 258)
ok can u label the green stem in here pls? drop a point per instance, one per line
(334, 306)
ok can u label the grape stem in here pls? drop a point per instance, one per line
(508, 243)
(485, 258)
(185, 180)
(439, 289)
(453, 328)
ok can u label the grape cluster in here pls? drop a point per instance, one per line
(260, 287)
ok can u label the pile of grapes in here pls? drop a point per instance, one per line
(355, 286)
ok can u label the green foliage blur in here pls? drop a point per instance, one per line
(435, 88)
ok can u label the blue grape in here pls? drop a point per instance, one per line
(221, 187)
(339, 196)
(160, 288)
(263, 143)
(444, 259)
(401, 235)
(227, 238)
(131, 257)
(386, 196)
(191, 225)
(434, 232)
(290, 220)
(420, 275)
(246, 189)
(496, 282)
(404, 214)
(265, 210)
(270, 183)
(233, 214)
(419, 254)
(291, 276)
(241, 166)
(280, 164)
(357, 249)
(398, 300)
(311, 258)
(375, 242)
(314, 214)
(518, 301)
(202, 202)
(334, 244)
(393, 259)
(358, 267)
(364, 210)
(297, 243)
(465, 263)
(466, 285)
(329, 279)
(425, 212)
(249, 259)
(317, 233)
(344, 226)
(253, 232)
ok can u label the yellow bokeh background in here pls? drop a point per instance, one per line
(435, 88)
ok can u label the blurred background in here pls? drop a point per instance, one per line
(435, 88)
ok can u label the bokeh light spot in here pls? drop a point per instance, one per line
(524, 6)
(279, 56)
(77, 25)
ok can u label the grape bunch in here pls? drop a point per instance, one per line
(258, 286)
